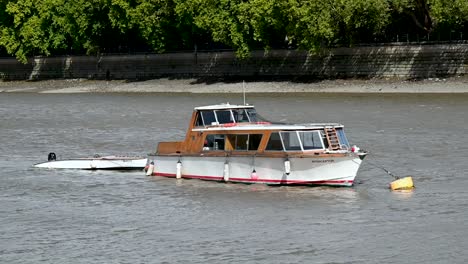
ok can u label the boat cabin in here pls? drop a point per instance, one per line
(219, 130)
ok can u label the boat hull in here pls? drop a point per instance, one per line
(95, 164)
(336, 171)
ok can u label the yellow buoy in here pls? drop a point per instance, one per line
(405, 183)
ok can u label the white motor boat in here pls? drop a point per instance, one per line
(95, 163)
(232, 143)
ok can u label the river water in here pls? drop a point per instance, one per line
(66, 216)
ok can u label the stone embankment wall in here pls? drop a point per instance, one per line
(417, 61)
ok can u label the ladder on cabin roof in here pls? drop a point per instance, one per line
(332, 138)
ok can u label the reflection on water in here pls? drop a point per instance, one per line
(342, 194)
(404, 194)
(68, 216)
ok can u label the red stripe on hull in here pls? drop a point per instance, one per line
(189, 176)
(214, 178)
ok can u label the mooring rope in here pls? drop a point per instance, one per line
(382, 168)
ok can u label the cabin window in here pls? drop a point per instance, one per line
(310, 140)
(214, 142)
(274, 143)
(342, 137)
(245, 142)
(240, 115)
(208, 117)
(224, 116)
(254, 141)
(199, 121)
(290, 141)
(252, 115)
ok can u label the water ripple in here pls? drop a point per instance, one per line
(67, 216)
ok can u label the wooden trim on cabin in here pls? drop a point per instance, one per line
(194, 143)
(170, 147)
(193, 119)
(264, 142)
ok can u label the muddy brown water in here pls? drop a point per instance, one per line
(66, 216)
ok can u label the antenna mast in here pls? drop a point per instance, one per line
(243, 90)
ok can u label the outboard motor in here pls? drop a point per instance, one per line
(51, 157)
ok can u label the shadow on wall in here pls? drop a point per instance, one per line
(409, 61)
(443, 61)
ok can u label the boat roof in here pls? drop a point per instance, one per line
(222, 107)
(254, 126)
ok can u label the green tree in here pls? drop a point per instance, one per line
(314, 23)
(265, 19)
(222, 19)
(31, 28)
(242, 25)
(44, 27)
(417, 10)
(452, 14)
(361, 20)
(155, 21)
(311, 24)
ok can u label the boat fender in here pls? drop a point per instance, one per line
(179, 170)
(150, 170)
(287, 167)
(226, 172)
(355, 149)
(254, 175)
(51, 156)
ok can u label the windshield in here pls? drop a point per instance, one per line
(254, 116)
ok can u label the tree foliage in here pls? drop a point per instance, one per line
(452, 14)
(49, 27)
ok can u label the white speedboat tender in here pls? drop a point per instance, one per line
(95, 163)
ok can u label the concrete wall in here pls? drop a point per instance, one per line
(419, 61)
